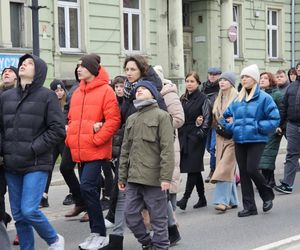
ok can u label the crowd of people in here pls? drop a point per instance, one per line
(131, 138)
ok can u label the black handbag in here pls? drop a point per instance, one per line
(220, 130)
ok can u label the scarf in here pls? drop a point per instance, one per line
(139, 104)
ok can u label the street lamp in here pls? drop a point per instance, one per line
(35, 26)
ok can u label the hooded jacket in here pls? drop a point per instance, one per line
(92, 102)
(31, 123)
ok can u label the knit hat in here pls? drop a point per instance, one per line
(229, 76)
(56, 84)
(214, 71)
(91, 62)
(251, 71)
(149, 85)
(14, 69)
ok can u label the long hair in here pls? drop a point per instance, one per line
(243, 94)
(230, 95)
(197, 78)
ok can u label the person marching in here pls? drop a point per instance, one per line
(225, 193)
(268, 158)
(251, 118)
(192, 139)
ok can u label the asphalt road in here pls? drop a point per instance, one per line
(201, 229)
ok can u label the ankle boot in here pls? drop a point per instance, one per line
(201, 202)
(174, 235)
(115, 243)
(182, 203)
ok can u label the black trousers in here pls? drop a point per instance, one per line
(248, 157)
(194, 179)
(67, 167)
(57, 150)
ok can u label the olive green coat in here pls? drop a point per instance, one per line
(147, 154)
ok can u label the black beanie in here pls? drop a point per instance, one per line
(91, 62)
(14, 69)
(55, 84)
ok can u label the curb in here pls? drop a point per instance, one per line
(285, 244)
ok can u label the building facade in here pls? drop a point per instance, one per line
(180, 35)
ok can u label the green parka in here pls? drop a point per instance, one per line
(268, 157)
(147, 154)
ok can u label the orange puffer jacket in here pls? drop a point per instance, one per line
(92, 102)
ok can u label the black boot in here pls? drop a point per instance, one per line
(201, 202)
(115, 243)
(174, 235)
(182, 203)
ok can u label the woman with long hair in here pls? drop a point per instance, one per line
(251, 118)
(267, 162)
(225, 193)
(192, 138)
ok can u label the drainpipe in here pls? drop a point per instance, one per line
(293, 33)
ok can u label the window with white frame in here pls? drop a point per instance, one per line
(272, 33)
(236, 20)
(69, 25)
(132, 25)
(17, 24)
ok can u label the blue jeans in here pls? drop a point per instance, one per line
(225, 193)
(89, 187)
(25, 193)
(211, 148)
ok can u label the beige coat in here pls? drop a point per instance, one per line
(174, 107)
(226, 162)
(225, 158)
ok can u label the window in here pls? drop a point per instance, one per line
(272, 33)
(132, 25)
(236, 19)
(16, 24)
(186, 14)
(68, 25)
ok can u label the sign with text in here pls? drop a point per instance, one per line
(7, 60)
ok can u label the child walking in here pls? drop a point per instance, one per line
(146, 167)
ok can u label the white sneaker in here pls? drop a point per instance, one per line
(59, 244)
(96, 243)
(87, 241)
(108, 224)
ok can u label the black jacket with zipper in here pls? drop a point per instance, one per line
(31, 123)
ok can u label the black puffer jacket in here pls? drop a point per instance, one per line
(31, 123)
(290, 108)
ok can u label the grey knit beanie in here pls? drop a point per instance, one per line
(229, 76)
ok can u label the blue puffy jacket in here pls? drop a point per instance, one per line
(253, 120)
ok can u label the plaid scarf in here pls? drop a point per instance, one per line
(129, 89)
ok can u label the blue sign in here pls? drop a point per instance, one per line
(7, 60)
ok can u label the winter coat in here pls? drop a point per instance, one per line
(174, 107)
(192, 139)
(290, 108)
(283, 88)
(211, 89)
(253, 120)
(147, 155)
(268, 158)
(92, 102)
(31, 123)
(225, 157)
